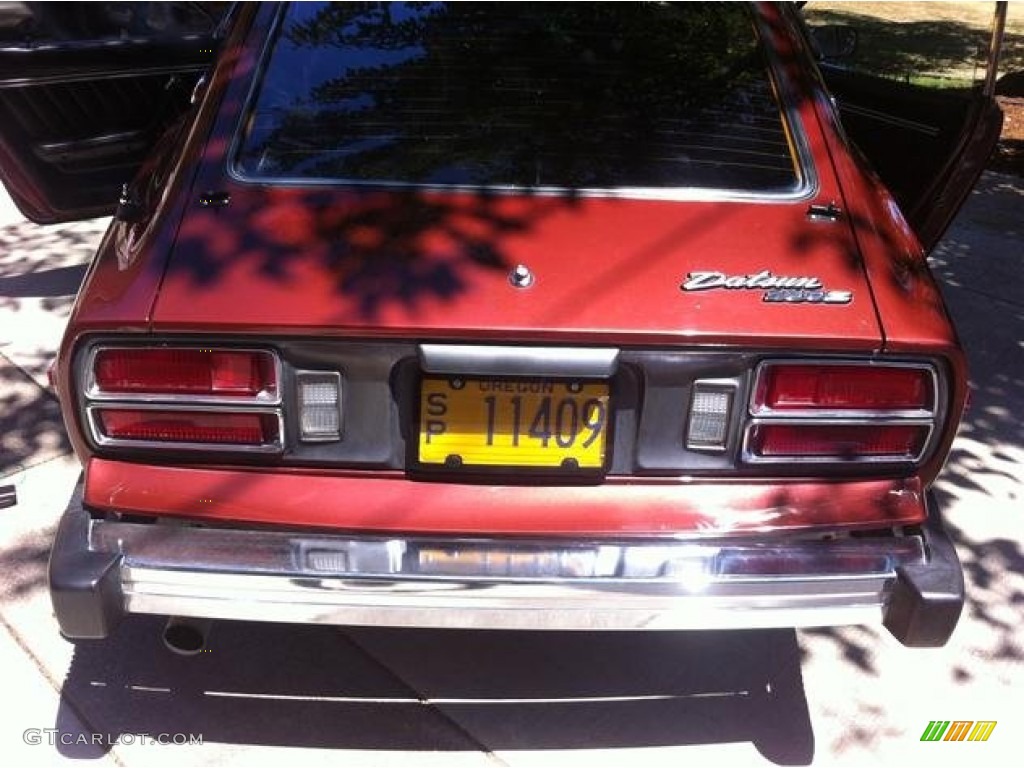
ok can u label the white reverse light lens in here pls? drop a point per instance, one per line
(708, 428)
(319, 406)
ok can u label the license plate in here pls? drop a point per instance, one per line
(513, 423)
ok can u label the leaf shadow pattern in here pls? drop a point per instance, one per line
(396, 97)
(25, 565)
(31, 425)
(978, 267)
(41, 269)
(30, 249)
(377, 248)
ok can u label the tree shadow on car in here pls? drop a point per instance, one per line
(382, 689)
(978, 266)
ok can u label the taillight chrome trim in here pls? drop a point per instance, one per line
(930, 418)
(93, 393)
(749, 457)
(102, 440)
(873, 414)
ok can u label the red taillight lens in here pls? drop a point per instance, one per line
(188, 426)
(840, 441)
(843, 387)
(199, 372)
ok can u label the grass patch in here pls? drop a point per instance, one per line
(935, 44)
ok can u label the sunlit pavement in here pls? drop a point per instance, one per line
(266, 694)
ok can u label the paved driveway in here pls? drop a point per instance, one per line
(266, 694)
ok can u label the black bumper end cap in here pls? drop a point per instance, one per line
(85, 586)
(926, 601)
(924, 606)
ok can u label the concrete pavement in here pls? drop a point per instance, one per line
(267, 694)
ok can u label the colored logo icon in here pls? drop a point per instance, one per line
(958, 730)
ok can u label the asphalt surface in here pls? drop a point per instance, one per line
(276, 694)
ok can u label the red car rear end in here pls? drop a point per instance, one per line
(410, 324)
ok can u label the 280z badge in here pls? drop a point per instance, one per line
(804, 289)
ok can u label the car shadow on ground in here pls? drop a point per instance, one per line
(291, 685)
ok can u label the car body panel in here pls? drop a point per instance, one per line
(435, 264)
(395, 262)
(380, 501)
(905, 293)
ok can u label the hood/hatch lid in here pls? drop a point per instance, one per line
(440, 265)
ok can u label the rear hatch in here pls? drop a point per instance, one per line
(434, 265)
(628, 172)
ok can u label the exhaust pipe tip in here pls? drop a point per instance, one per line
(186, 636)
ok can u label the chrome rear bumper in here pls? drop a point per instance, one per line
(101, 570)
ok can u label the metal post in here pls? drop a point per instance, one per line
(995, 48)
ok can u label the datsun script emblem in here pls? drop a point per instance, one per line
(804, 289)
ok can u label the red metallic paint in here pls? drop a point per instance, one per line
(389, 502)
(907, 299)
(301, 261)
(336, 261)
(282, 260)
(911, 313)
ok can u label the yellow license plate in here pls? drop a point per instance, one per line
(513, 423)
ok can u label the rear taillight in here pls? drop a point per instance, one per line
(841, 412)
(184, 398)
(196, 372)
(159, 426)
(843, 388)
(841, 441)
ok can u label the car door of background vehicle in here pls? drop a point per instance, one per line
(85, 91)
(913, 95)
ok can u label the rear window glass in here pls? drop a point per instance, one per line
(538, 95)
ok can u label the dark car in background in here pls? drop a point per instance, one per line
(547, 316)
